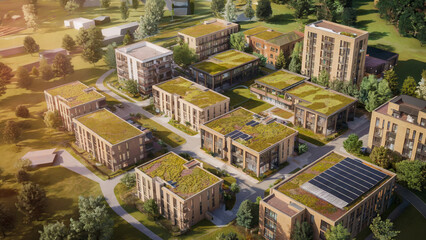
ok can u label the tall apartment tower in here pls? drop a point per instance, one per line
(340, 50)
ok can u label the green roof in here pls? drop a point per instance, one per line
(280, 79)
(263, 135)
(74, 93)
(186, 182)
(192, 92)
(266, 35)
(285, 39)
(255, 30)
(202, 29)
(109, 126)
(224, 61)
(320, 99)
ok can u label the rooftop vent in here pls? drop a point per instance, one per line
(89, 89)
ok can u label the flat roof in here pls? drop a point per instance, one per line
(268, 34)
(280, 205)
(280, 79)
(205, 28)
(181, 179)
(261, 134)
(255, 30)
(224, 61)
(109, 126)
(337, 28)
(320, 99)
(285, 38)
(75, 93)
(380, 53)
(41, 157)
(144, 50)
(192, 92)
(293, 186)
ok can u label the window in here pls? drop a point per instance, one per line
(324, 225)
(270, 214)
(377, 122)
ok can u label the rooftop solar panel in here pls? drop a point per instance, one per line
(344, 182)
(254, 124)
(250, 123)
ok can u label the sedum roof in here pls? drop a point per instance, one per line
(109, 126)
(74, 93)
(255, 30)
(224, 61)
(203, 29)
(183, 181)
(280, 79)
(192, 92)
(285, 39)
(267, 35)
(320, 99)
(263, 135)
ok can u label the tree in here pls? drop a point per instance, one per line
(280, 62)
(71, 6)
(263, 10)
(5, 76)
(383, 230)
(30, 16)
(35, 72)
(230, 14)
(245, 214)
(127, 39)
(52, 119)
(106, 3)
(22, 111)
(235, 188)
(352, 144)
(11, 132)
(262, 59)
(22, 176)
(337, 233)
(302, 8)
(24, 78)
(248, 10)
(228, 236)
(383, 91)
(421, 88)
(349, 16)
(68, 43)
(151, 207)
(31, 201)
(183, 55)
(412, 174)
(23, 164)
(54, 231)
(124, 10)
(129, 180)
(91, 40)
(147, 26)
(46, 71)
(409, 87)
(62, 65)
(109, 55)
(301, 231)
(302, 148)
(217, 7)
(238, 41)
(324, 78)
(381, 157)
(135, 4)
(30, 45)
(7, 220)
(392, 79)
(296, 60)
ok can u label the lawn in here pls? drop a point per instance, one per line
(309, 136)
(117, 87)
(241, 96)
(161, 132)
(411, 224)
(282, 113)
(182, 127)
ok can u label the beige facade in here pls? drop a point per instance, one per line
(340, 50)
(72, 100)
(262, 144)
(188, 103)
(144, 62)
(209, 38)
(400, 125)
(287, 205)
(183, 205)
(112, 141)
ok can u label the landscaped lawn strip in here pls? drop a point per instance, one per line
(161, 132)
(267, 35)
(255, 30)
(280, 79)
(282, 113)
(224, 61)
(182, 127)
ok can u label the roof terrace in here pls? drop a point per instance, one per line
(280, 79)
(75, 93)
(338, 28)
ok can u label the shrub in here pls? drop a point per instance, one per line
(22, 111)
(22, 176)
(352, 144)
(302, 148)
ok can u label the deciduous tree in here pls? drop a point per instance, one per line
(421, 88)
(22, 176)
(230, 14)
(52, 119)
(54, 231)
(106, 3)
(183, 55)
(30, 45)
(235, 188)
(412, 173)
(301, 231)
(11, 132)
(71, 6)
(263, 10)
(30, 16)
(302, 8)
(392, 79)
(68, 42)
(62, 65)
(217, 7)
(109, 55)
(248, 10)
(46, 72)
(24, 78)
(127, 39)
(383, 230)
(31, 201)
(129, 180)
(337, 233)
(349, 16)
(409, 87)
(151, 207)
(352, 144)
(7, 220)
(296, 60)
(262, 59)
(124, 10)
(22, 111)
(91, 40)
(280, 62)
(238, 41)
(135, 4)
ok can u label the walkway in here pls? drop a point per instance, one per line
(412, 198)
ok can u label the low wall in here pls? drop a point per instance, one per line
(7, 52)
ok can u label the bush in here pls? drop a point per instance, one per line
(352, 144)
(24, 78)
(11, 132)
(129, 180)
(22, 176)
(302, 148)
(52, 119)
(186, 156)
(22, 111)
(412, 174)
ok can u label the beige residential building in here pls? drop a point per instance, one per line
(112, 141)
(184, 192)
(188, 103)
(333, 190)
(249, 141)
(72, 100)
(338, 49)
(144, 62)
(400, 125)
(209, 38)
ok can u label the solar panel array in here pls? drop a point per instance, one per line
(238, 134)
(344, 182)
(252, 123)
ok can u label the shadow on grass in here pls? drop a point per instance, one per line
(363, 24)
(409, 67)
(281, 19)
(384, 47)
(377, 35)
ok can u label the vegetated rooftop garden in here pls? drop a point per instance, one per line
(255, 30)
(280, 79)
(109, 126)
(267, 35)
(74, 93)
(224, 61)
(264, 135)
(202, 29)
(320, 99)
(187, 182)
(191, 93)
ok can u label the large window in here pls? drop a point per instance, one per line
(270, 214)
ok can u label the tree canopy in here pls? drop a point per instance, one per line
(412, 174)
(352, 144)
(31, 201)
(263, 10)
(302, 231)
(217, 7)
(383, 230)
(409, 87)
(30, 45)
(246, 215)
(238, 41)
(183, 55)
(109, 55)
(62, 65)
(337, 233)
(248, 10)
(5, 76)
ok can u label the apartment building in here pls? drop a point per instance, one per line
(209, 38)
(337, 49)
(188, 103)
(112, 141)
(184, 192)
(400, 125)
(248, 141)
(144, 62)
(225, 69)
(333, 190)
(72, 100)
(378, 61)
(271, 43)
